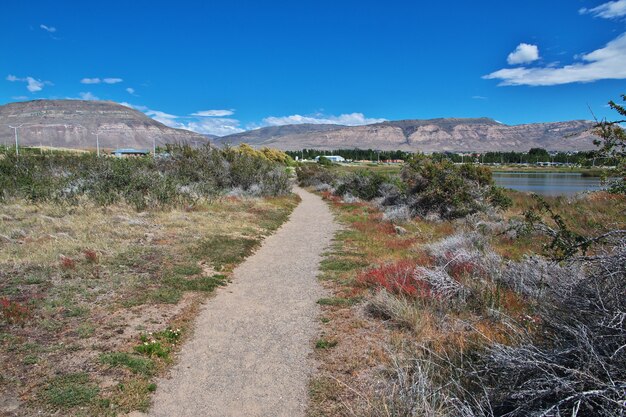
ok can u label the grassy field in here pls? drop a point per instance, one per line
(370, 337)
(588, 172)
(95, 301)
(395, 169)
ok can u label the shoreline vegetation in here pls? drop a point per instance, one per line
(105, 263)
(585, 172)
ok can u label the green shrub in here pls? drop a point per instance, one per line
(364, 184)
(325, 344)
(312, 174)
(322, 160)
(451, 191)
(181, 177)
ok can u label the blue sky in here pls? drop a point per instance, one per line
(221, 67)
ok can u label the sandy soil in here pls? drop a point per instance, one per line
(251, 350)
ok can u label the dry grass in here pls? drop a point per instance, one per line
(588, 215)
(94, 280)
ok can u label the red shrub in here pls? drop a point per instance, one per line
(458, 269)
(91, 256)
(422, 258)
(360, 226)
(385, 228)
(370, 225)
(13, 312)
(397, 278)
(400, 244)
(67, 263)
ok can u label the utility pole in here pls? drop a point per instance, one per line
(15, 129)
(97, 133)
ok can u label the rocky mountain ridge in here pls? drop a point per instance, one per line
(431, 135)
(74, 124)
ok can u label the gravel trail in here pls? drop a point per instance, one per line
(251, 351)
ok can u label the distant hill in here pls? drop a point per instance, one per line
(433, 135)
(71, 124)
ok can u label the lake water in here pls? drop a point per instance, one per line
(561, 183)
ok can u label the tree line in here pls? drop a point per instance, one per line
(533, 156)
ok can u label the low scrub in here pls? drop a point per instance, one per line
(448, 190)
(13, 312)
(424, 188)
(577, 366)
(397, 278)
(314, 175)
(558, 350)
(181, 177)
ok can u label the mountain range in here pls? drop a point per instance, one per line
(434, 135)
(74, 124)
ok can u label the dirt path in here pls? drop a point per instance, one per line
(250, 355)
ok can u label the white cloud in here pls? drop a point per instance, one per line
(213, 122)
(88, 96)
(479, 97)
(213, 113)
(218, 126)
(101, 80)
(605, 63)
(33, 85)
(130, 90)
(608, 10)
(165, 118)
(523, 54)
(50, 29)
(352, 119)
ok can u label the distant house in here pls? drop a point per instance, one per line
(130, 152)
(332, 158)
(550, 164)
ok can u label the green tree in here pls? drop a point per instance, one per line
(612, 145)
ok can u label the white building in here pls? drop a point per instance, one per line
(332, 158)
